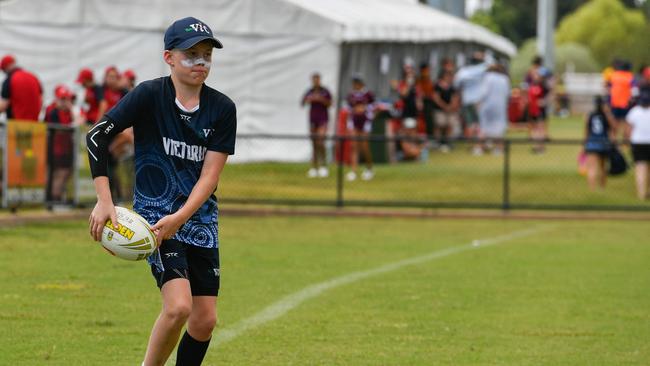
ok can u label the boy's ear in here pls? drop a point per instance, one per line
(167, 57)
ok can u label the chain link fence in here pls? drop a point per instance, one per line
(510, 174)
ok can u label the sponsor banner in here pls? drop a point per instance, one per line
(27, 162)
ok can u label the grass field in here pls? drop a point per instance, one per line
(531, 293)
(458, 177)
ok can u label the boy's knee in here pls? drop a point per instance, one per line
(178, 313)
(201, 327)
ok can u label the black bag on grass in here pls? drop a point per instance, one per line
(617, 163)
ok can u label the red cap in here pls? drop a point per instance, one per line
(109, 69)
(129, 74)
(7, 62)
(62, 92)
(85, 74)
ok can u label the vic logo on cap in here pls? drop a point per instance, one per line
(198, 27)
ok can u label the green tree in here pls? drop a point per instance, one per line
(609, 30)
(568, 55)
(517, 20)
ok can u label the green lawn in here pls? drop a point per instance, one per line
(568, 293)
(458, 177)
(550, 178)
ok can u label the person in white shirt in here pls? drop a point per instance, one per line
(638, 133)
(493, 107)
(469, 81)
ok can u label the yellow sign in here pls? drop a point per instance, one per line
(27, 161)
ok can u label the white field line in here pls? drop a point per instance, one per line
(289, 302)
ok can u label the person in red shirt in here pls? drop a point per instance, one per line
(128, 80)
(537, 111)
(21, 96)
(92, 95)
(60, 143)
(112, 91)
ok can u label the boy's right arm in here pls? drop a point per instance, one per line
(97, 141)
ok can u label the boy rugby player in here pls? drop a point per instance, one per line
(184, 132)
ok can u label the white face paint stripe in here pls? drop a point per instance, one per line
(289, 302)
(191, 62)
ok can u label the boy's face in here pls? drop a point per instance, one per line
(191, 66)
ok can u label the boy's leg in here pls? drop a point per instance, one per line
(177, 307)
(200, 324)
(204, 275)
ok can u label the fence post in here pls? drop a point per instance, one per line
(76, 135)
(339, 172)
(505, 205)
(4, 143)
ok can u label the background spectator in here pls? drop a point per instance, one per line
(621, 81)
(60, 143)
(361, 103)
(638, 133)
(21, 96)
(537, 81)
(599, 131)
(128, 80)
(493, 109)
(425, 94)
(92, 95)
(112, 91)
(408, 103)
(468, 80)
(319, 100)
(537, 110)
(447, 102)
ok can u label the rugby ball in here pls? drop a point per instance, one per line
(132, 240)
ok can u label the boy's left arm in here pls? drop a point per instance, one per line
(213, 164)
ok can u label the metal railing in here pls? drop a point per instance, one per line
(513, 176)
(510, 177)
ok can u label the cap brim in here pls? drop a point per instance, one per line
(192, 41)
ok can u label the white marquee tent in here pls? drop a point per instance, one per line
(271, 47)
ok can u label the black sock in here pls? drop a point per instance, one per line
(190, 351)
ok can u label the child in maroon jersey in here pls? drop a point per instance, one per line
(361, 103)
(319, 100)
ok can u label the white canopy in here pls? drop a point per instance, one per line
(270, 47)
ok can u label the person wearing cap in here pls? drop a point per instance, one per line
(21, 96)
(637, 132)
(60, 145)
(184, 131)
(319, 100)
(361, 104)
(92, 95)
(128, 80)
(112, 91)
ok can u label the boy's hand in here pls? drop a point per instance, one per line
(103, 211)
(167, 227)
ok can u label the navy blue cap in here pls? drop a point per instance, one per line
(185, 33)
